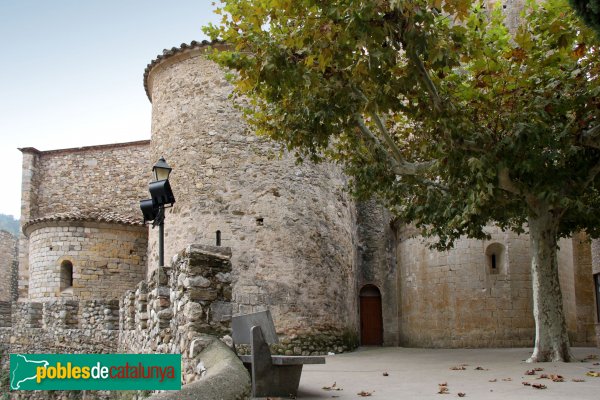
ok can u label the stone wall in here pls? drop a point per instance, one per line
(8, 265)
(292, 227)
(377, 263)
(584, 307)
(455, 299)
(106, 259)
(180, 309)
(108, 177)
(596, 272)
(63, 326)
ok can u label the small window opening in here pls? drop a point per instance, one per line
(495, 255)
(259, 221)
(218, 238)
(66, 274)
(50, 248)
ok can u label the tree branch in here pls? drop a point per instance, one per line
(591, 137)
(507, 184)
(592, 173)
(429, 85)
(400, 165)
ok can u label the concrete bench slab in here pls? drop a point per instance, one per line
(272, 376)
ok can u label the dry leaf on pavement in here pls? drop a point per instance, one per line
(461, 394)
(332, 387)
(362, 393)
(578, 380)
(538, 386)
(557, 378)
(593, 374)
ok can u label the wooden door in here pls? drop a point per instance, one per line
(371, 321)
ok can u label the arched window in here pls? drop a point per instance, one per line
(66, 274)
(495, 258)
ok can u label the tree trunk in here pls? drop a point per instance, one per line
(551, 338)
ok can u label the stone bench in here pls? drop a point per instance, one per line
(272, 375)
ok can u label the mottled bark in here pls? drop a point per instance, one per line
(551, 338)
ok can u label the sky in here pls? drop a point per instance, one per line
(71, 73)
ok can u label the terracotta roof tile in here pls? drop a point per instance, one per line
(86, 215)
(171, 52)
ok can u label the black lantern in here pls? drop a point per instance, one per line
(161, 197)
(161, 170)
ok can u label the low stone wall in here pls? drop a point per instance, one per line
(60, 326)
(180, 309)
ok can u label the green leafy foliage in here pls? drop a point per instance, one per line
(434, 107)
(589, 10)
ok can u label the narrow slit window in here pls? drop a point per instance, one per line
(66, 275)
(218, 238)
(493, 261)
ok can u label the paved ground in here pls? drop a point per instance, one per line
(416, 374)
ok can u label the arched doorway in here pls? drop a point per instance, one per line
(371, 321)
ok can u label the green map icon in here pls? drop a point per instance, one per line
(24, 368)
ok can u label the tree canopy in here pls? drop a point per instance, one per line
(432, 106)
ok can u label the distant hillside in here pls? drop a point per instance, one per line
(10, 224)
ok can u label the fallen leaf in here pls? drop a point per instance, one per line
(386, 374)
(526, 383)
(507, 379)
(458, 368)
(538, 386)
(593, 374)
(530, 372)
(443, 384)
(544, 376)
(364, 394)
(493, 380)
(461, 394)
(578, 380)
(480, 369)
(538, 369)
(332, 387)
(443, 390)
(591, 357)
(557, 378)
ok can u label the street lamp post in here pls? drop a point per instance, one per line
(161, 197)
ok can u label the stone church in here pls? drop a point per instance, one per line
(334, 272)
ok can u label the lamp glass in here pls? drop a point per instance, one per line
(161, 170)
